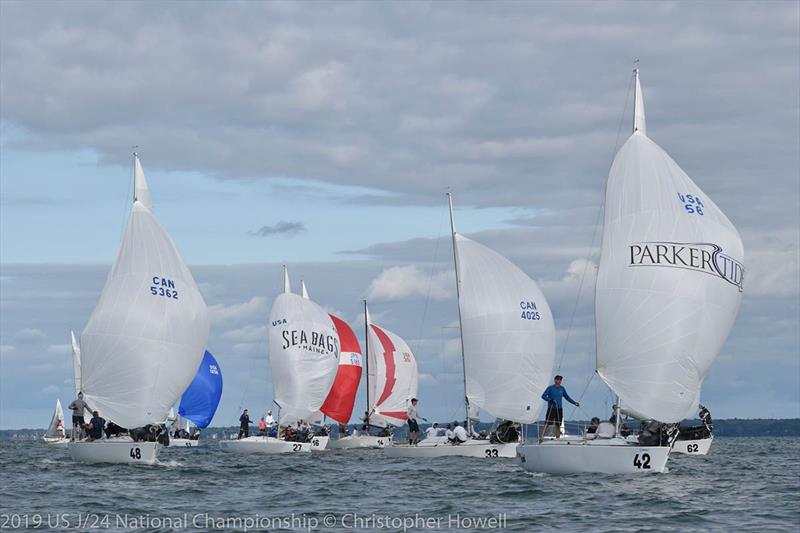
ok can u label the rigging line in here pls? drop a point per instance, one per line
(594, 232)
(430, 284)
(580, 398)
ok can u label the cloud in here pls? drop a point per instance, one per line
(256, 306)
(251, 333)
(51, 389)
(404, 282)
(281, 228)
(29, 336)
(60, 348)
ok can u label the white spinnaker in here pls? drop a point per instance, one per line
(395, 377)
(303, 354)
(76, 363)
(508, 331)
(669, 283)
(58, 414)
(148, 333)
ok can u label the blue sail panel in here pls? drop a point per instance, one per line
(200, 401)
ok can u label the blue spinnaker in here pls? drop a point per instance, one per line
(200, 401)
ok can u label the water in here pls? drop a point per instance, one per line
(746, 484)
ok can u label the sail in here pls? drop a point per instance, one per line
(342, 397)
(200, 401)
(146, 336)
(56, 421)
(395, 379)
(508, 331)
(76, 363)
(669, 283)
(303, 353)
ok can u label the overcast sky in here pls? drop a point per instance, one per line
(325, 135)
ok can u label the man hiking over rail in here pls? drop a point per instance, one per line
(555, 413)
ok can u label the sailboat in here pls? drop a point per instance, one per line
(198, 403)
(392, 380)
(668, 290)
(304, 356)
(56, 432)
(144, 339)
(507, 344)
(339, 403)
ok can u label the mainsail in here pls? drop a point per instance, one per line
(508, 334)
(303, 353)
(342, 397)
(58, 416)
(200, 401)
(76, 362)
(393, 376)
(146, 336)
(669, 283)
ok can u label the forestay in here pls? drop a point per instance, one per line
(146, 336)
(395, 378)
(669, 283)
(508, 332)
(200, 401)
(304, 355)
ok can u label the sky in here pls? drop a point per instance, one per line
(324, 136)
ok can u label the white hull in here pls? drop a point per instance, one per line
(359, 441)
(56, 441)
(439, 447)
(692, 447)
(114, 451)
(183, 443)
(613, 456)
(271, 445)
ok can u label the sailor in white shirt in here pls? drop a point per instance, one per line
(432, 431)
(449, 432)
(269, 420)
(459, 434)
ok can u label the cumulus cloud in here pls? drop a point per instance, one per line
(29, 336)
(281, 228)
(404, 282)
(256, 306)
(252, 333)
(51, 389)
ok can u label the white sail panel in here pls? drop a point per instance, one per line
(393, 377)
(147, 334)
(141, 192)
(304, 356)
(509, 334)
(58, 416)
(669, 283)
(76, 363)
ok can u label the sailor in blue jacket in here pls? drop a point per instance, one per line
(555, 413)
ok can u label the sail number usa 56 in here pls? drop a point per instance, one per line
(529, 311)
(163, 287)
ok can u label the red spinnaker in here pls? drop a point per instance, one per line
(342, 397)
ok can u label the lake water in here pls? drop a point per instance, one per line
(746, 484)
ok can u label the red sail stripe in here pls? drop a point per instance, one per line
(402, 415)
(388, 358)
(342, 396)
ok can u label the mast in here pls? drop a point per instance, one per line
(366, 357)
(460, 328)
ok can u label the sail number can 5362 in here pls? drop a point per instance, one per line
(163, 287)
